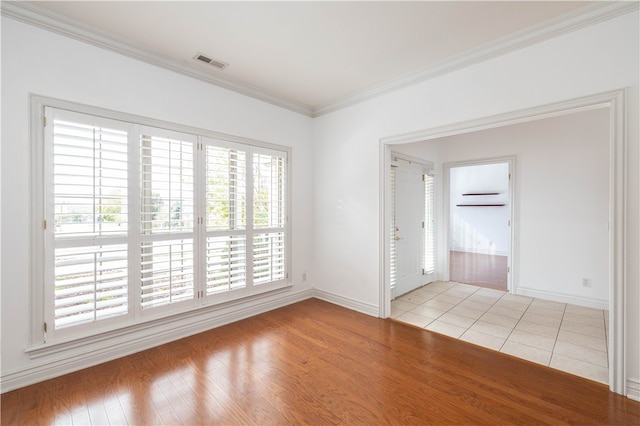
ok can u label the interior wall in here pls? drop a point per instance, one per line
(561, 202)
(35, 61)
(347, 150)
(479, 229)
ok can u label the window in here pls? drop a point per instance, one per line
(143, 222)
(167, 212)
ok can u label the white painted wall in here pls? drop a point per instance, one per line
(561, 200)
(43, 63)
(347, 224)
(479, 229)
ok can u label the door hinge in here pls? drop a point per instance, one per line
(423, 272)
(44, 121)
(508, 269)
(44, 225)
(508, 223)
(45, 327)
(509, 176)
(423, 224)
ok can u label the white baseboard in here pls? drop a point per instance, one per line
(563, 298)
(57, 364)
(345, 302)
(476, 250)
(633, 389)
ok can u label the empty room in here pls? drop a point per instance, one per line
(320, 212)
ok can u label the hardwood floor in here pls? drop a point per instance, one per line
(317, 363)
(485, 270)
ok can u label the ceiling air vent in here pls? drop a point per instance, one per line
(213, 62)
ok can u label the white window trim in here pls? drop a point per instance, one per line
(37, 344)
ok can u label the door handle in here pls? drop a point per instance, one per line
(399, 238)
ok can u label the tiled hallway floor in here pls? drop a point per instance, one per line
(562, 336)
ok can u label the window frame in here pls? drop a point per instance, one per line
(43, 338)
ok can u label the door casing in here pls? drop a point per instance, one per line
(446, 215)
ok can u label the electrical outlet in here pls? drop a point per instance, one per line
(586, 282)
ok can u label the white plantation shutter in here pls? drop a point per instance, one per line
(392, 233)
(268, 257)
(429, 223)
(269, 216)
(89, 179)
(268, 190)
(226, 175)
(91, 284)
(226, 216)
(87, 204)
(167, 212)
(167, 272)
(144, 222)
(226, 263)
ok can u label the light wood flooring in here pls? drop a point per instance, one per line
(486, 270)
(316, 363)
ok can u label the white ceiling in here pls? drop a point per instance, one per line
(310, 55)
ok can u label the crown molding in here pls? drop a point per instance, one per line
(596, 12)
(42, 18)
(590, 14)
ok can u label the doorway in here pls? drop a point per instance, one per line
(480, 217)
(412, 225)
(614, 102)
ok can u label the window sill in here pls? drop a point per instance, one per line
(214, 314)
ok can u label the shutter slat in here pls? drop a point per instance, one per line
(167, 270)
(226, 263)
(269, 257)
(86, 277)
(226, 188)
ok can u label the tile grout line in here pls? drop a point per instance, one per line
(555, 343)
(458, 304)
(515, 325)
(487, 310)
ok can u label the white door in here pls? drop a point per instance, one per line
(408, 233)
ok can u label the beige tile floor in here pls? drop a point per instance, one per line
(559, 335)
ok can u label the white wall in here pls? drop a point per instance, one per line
(592, 60)
(40, 62)
(479, 229)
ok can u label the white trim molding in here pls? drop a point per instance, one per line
(590, 14)
(563, 298)
(345, 302)
(60, 24)
(633, 389)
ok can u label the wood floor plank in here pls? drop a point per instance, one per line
(317, 363)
